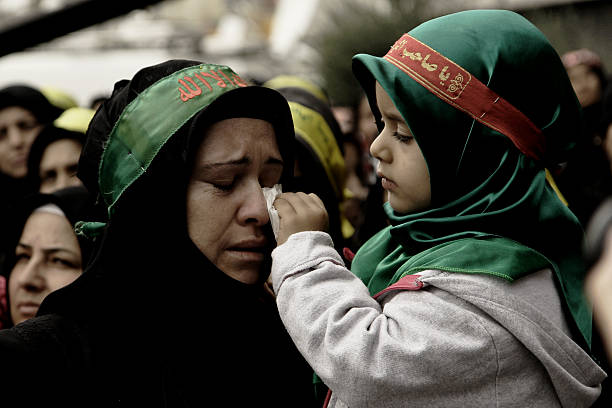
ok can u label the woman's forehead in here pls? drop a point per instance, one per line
(231, 139)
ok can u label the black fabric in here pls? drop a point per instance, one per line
(586, 180)
(30, 99)
(154, 322)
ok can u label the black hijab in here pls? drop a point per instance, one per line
(162, 322)
(75, 202)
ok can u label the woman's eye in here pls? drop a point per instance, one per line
(224, 186)
(22, 257)
(26, 125)
(63, 262)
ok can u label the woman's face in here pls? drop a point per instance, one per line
(18, 129)
(401, 164)
(48, 258)
(58, 165)
(226, 209)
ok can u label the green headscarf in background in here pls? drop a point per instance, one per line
(492, 210)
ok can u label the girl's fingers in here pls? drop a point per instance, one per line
(315, 198)
(299, 201)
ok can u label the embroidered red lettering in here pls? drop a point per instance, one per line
(212, 74)
(428, 67)
(239, 81)
(189, 92)
(225, 76)
(456, 86)
(204, 82)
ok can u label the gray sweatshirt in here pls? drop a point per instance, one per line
(456, 340)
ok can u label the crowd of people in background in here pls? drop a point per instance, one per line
(137, 259)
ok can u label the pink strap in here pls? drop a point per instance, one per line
(408, 282)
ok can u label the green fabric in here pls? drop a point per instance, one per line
(492, 210)
(184, 93)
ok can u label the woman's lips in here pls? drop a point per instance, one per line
(20, 160)
(254, 250)
(28, 309)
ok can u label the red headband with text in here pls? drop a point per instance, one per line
(457, 87)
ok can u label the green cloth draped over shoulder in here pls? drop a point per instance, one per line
(492, 210)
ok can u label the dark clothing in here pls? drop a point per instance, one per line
(587, 179)
(152, 322)
(236, 352)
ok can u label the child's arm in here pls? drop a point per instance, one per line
(365, 352)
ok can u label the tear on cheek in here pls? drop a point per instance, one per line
(270, 194)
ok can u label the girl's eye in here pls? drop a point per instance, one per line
(402, 138)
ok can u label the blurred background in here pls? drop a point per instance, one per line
(84, 46)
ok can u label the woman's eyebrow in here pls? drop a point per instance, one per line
(47, 251)
(54, 250)
(274, 160)
(239, 162)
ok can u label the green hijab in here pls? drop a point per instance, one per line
(492, 210)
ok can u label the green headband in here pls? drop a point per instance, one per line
(149, 121)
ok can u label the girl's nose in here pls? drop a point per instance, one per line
(379, 148)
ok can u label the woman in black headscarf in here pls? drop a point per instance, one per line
(43, 252)
(23, 113)
(172, 310)
(54, 155)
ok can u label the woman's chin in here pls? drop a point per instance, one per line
(246, 271)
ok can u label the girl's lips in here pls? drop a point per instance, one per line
(387, 184)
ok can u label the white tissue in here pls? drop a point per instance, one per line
(270, 194)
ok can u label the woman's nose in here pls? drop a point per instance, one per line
(254, 208)
(31, 276)
(15, 136)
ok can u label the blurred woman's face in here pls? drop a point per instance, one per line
(226, 209)
(18, 129)
(58, 165)
(586, 84)
(48, 258)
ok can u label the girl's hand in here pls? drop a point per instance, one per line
(299, 212)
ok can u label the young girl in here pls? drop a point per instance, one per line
(472, 297)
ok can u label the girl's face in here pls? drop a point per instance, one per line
(401, 164)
